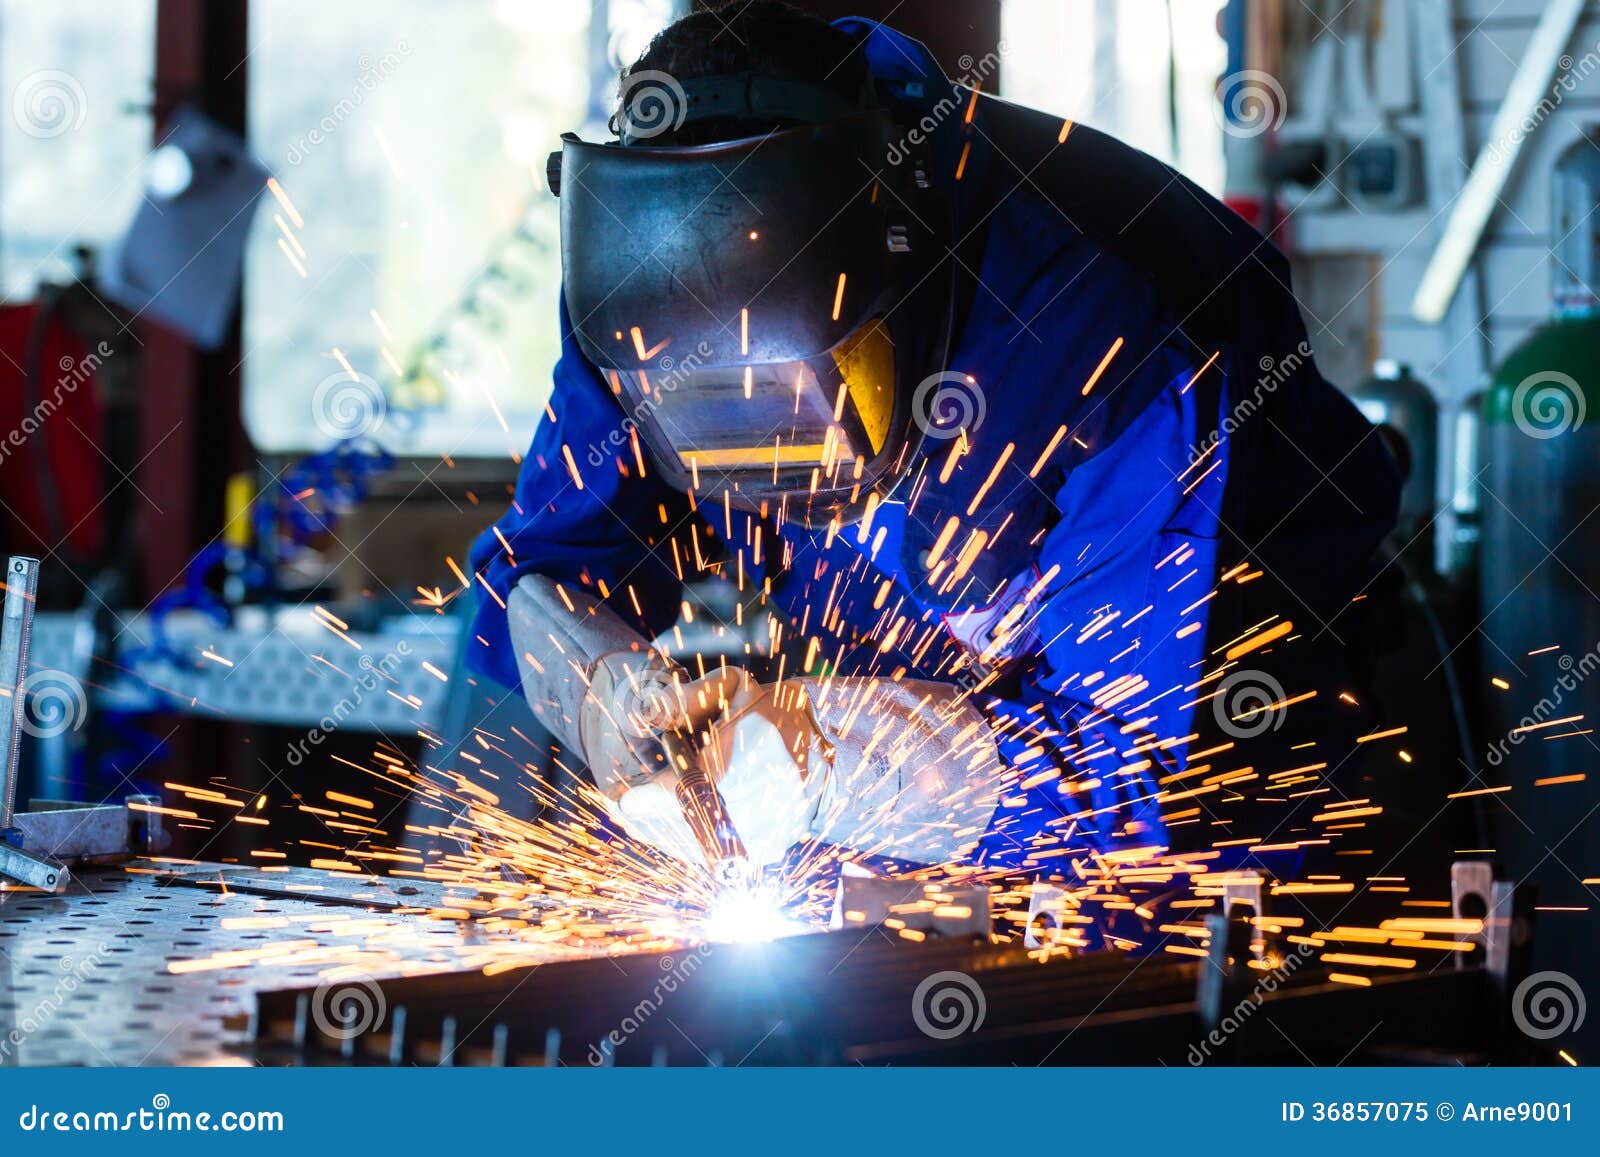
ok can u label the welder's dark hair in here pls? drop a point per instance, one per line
(770, 37)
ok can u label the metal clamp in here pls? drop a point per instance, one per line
(1234, 938)
(16, 862)
(1505, 912)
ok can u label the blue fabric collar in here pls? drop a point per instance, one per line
(896, 60)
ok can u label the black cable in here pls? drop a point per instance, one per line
(1458, 709)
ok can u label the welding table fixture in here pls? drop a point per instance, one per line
(38, 844)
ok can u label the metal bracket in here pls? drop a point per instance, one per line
(1236, 935)
(37, 844)
(1224, 975)
(17, 863)
(1048, 912)
(82, 832)
(1247, 891)
(34, 871)
(1506, 910)
(1056, 921)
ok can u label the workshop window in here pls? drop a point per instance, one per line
(410, 139)
(75, 76)
(1142, 70)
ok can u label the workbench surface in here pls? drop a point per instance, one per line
(151, 964)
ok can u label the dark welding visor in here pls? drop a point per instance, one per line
(831, 414)
(743, 299)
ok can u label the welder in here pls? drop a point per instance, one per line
(1014, 431)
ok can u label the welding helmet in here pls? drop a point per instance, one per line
(763, 308)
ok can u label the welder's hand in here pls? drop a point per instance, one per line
(904, 769)
(917, 770)
(631, 699)
(598, 686)
(768, 758)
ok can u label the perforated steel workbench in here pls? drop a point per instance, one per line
(87, 978)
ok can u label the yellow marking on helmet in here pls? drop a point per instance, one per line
(730, 456)
(865, 361)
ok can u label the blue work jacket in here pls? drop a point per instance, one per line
(1150, 429)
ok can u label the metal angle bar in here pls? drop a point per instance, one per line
(34, 871)
(22, 587)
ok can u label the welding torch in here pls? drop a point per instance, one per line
(704, 809)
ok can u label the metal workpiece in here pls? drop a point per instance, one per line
(37, 844)
(52, 834)
(194, 963)
(1244, 911)
(1225, 980)
(928, 908)
(93, 833)
(870, 997)
(342, 889)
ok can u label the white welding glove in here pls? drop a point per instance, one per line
(906, 770)
(917, 774)
(770, 762)
(597, 685)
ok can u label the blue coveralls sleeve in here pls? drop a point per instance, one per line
(582, 514)
(1101, 405)
(1120, 629)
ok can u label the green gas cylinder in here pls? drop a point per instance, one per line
(1407, 414)
(1540, 587)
